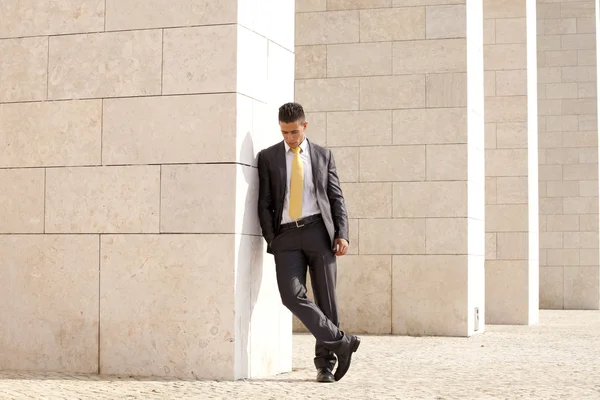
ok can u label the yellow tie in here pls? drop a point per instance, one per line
(296, 185)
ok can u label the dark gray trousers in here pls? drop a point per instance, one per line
(295, 250)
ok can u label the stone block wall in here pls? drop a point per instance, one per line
(512, 236)
(130, 242)
(568, 139)
(395, 89)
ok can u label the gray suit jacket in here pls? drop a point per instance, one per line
(272, 185)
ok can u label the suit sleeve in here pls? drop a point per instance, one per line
(265, 201)
(336, 201)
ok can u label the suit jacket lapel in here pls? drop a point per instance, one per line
(314, 162)
(282, 165)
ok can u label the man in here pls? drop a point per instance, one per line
(304, 222)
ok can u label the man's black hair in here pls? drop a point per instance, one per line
(291, 112)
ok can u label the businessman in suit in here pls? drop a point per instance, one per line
(304, 222)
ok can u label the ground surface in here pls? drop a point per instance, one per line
(557, 359)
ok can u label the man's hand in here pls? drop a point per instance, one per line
(340, 247)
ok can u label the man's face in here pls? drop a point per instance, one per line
(293, 132)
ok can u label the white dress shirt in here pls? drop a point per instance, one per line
(309, 199)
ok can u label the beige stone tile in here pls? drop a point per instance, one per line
(506, 162)
(357, 4)
(491, 252)
(563, 223)
(198, 198)
(588, 257)
(548, 10)
(586, 57)
(103, 199)
(51, 283)
(499, 57)
(392, 163)
(551, 240)
(511, 83)
(447, 90)
(550, 172)
(186, 53)
(562, 189)
(22, 199)
(392, 24)
(360, 309)
(39, 18)
(563, 58)
(368, 200)
(578, 106)
(581, 172)
(430, 126)
(543, 225)
(335, 94)
(392, 236)
(23, 68)
(447, 21)
(552, 288)
(503, 9)
(310, 5)
(506, 109)
(580, 240)
(311, 62)
(410, 3)
(491, 133)
(447, 162)
(156, 130)
(141, 14)
(563, 257)
(581, 288)
(347, 163)
(444, 55)
(391, 92)
(562, 156)
(489, 83)
(317, 127)
(587, 223)
(359, 59)
(561, 90)
(549, 75)
(506, 218)
(429, 282)
(577, 9)
(549, 107)
(588, 188)
(507, 292)
(489, 31)
(447, 236)
(551, 206)
(512, 190)
(105, 65)
(491, 190)
(513, 246)
(586, 90)
(430, 199)
(559, 26)
(583, 41)
(562, 123)
(372, 128)
(511, 30)
(581, 205)
(512, 135)
(580, 139)
(139, 334)
(578, 74)
(548, 43)
(327, 27)
(547, 140)
(50, 133)
(353, 224)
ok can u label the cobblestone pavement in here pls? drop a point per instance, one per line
(557, 359)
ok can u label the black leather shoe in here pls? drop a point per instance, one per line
(324, 375)
(344, 359)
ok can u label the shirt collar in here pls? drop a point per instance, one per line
(303, 145)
